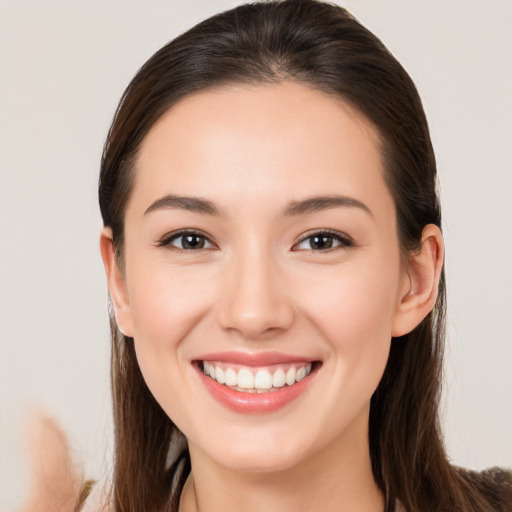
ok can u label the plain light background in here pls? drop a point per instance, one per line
(63, 67)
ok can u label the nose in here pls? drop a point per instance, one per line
(255, 302)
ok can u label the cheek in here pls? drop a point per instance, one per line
(353, 312)
(166, 303)
(354, 304)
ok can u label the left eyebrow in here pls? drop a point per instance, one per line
(320, 203)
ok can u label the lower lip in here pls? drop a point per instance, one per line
(255, 403)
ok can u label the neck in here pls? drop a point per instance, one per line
(338, 477)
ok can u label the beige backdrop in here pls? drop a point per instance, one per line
(63, 67)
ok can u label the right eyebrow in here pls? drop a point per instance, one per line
(192, 204)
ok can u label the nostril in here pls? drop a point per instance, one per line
(255, 301)
(255, 325)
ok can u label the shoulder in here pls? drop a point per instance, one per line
(488, 490)
(492, 477)
(495, 484)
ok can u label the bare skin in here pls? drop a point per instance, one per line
(323, 483)
(55, 481)
(265, 163)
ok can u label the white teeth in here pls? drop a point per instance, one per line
(245, 379)
(263, 380)
(301, 373)
(231, 377)
(278, 379)
(219, 372)
(290, 376)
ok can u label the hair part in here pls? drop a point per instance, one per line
(322, 46)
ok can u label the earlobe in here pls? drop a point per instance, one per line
(116, 283)
(419, 294)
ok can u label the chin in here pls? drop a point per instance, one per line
(257, 461)
(263, 452)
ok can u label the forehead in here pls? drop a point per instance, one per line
(251, 141)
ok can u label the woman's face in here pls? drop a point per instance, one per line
(261, 246)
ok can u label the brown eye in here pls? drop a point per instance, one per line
(192, 241)
(187, 241)
(322, 241)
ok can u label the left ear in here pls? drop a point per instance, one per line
(419, 291)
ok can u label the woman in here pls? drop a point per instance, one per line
(274, 257)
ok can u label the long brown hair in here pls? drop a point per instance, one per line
(323, 46)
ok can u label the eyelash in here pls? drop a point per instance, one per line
(343, 240)
(168, 239)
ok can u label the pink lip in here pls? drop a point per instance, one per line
(254, 403)
(253, 359)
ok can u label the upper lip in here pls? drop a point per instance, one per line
(253, 358)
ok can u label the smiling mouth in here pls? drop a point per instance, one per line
(247, 379)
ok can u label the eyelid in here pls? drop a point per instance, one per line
(166, 240)
(344, 239)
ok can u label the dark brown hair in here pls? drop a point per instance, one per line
(323, 46)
